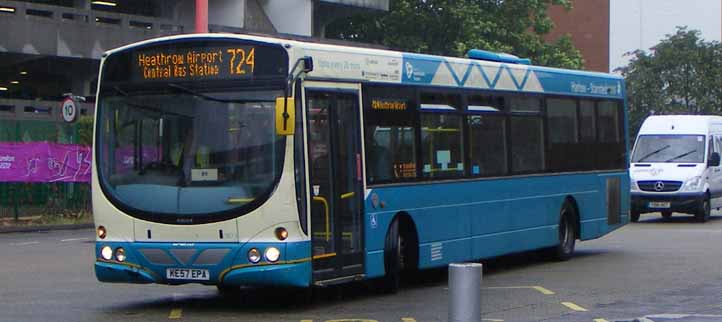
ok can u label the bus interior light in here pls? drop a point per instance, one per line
(106, 252)
(272, 254)
(102, 232)
(281, 233)
(120, 254)
(254, 256)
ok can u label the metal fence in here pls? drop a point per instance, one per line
(61, 199)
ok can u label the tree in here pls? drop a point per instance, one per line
(680, 75)
(452, 27)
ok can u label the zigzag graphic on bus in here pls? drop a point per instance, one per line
(491, 83)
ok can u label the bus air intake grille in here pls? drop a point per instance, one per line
(157, 256)
(211, 256)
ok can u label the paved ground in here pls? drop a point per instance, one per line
(664, 270)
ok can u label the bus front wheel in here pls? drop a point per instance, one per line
(393, 259)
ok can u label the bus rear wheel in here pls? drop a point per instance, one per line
(566, 234)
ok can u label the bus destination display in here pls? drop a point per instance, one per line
(195, 63)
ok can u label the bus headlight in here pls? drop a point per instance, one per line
(693, 184)
(120, 254)
(272, 254)
(254, 256)
(107, 253)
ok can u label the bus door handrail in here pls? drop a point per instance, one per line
(325, 207)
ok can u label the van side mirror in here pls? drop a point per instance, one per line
(714, 160)
(285, 115)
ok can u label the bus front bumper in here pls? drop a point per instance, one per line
(156, 262)
(680, 202)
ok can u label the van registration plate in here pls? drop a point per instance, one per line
(659, 204)
(187, 274)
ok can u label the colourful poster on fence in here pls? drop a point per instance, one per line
(44, 162)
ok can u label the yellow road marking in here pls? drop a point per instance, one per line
(537, 288)
(543, 290)
(306, 320)
(493, 320)
(574, 307)
(600, 320)
(175, 314)
(408, 319)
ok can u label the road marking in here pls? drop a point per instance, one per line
(537, 288)
(600, 320)
(574, 307)
(543, 290)
(306, 320)
(26, 243)
(72, 239)
(493, 320)
(408, 319)
(175, 314)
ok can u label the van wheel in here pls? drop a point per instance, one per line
(634, 216)
(666, 214)
(566, 234)
(703, 213)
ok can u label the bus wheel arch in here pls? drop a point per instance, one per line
(401, 250)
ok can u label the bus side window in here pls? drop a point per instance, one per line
(527, 135)
(442, 138)
(487, 135)
(390, 135)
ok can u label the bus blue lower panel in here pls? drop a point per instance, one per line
(212, 264)
(476, 219)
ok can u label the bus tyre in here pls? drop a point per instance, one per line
(666, 214)
(634, 216)
(393, 259)
(704, 210)
(229, 291)
(566, 234)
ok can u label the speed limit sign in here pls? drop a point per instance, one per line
(70, 110)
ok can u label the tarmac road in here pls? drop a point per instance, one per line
(665, 270)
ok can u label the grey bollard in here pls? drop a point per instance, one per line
(465, 292)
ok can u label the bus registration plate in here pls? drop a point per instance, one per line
(659, 204)
(187, 274)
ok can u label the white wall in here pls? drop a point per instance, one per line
(641, 24)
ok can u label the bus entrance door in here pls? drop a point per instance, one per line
(336, 184)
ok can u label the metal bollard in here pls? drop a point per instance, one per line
(465, 292)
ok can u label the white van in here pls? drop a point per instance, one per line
(676, 166)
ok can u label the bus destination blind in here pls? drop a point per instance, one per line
(166, 63)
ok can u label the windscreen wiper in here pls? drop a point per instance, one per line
(681, 155)
(215, 99)
(653, 153)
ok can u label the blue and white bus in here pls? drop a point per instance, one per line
(239, 160)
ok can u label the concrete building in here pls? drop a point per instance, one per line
(605, 30)
(52, 47)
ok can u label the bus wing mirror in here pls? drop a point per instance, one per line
(285, 115)
(714, 160)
